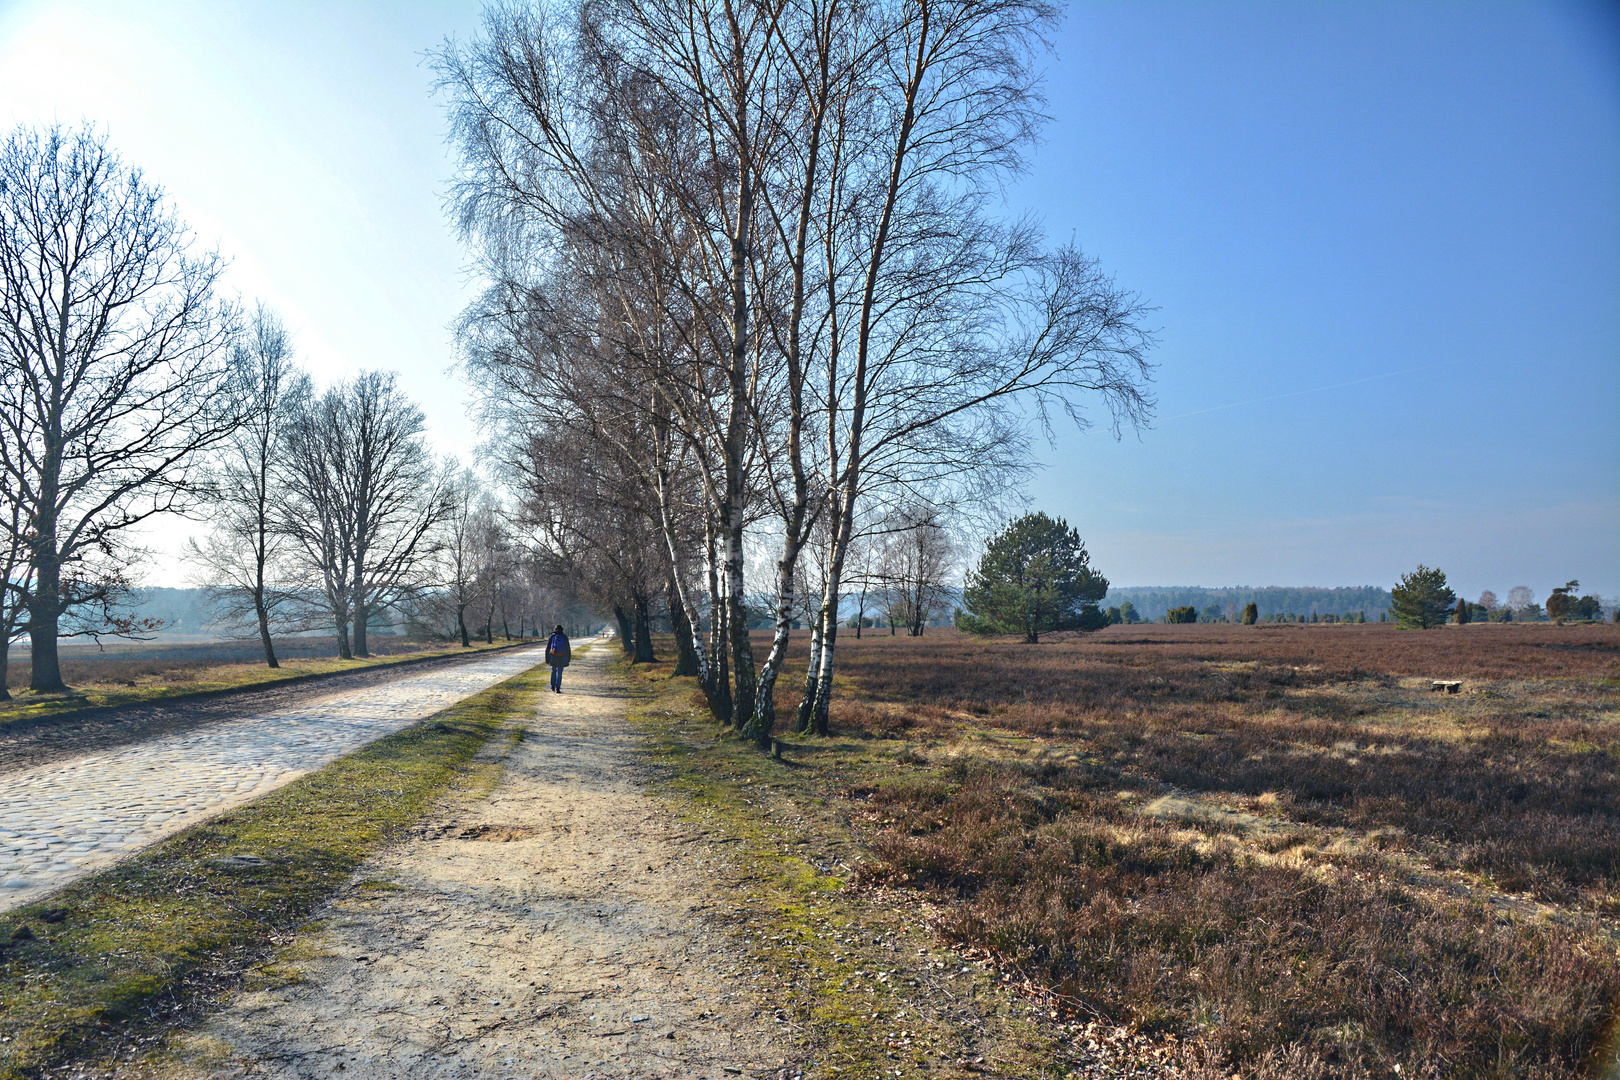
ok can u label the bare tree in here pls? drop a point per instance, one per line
(398, 496)
(633, 132)
(948, 316)
(312, 505)
(360, 499)
(458, 550)
(1519, 598)
(238, 562)
(757, 242)
(918, 555)
(117, 365)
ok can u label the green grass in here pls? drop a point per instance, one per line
(115, 959)
(166, 682)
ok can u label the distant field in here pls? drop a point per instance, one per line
(1273, 843)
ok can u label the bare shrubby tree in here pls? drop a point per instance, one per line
(239, 563)
(1519, 598)
(360, 498)
(117, 371)
(459, 577)
(495, 558)
(918, 562)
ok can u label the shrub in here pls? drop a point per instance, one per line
(1251, 614)
(1188, 614)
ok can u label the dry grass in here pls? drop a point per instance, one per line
(1274, 843)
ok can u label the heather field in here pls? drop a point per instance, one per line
(1275, 846)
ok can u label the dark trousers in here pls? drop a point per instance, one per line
(556, 676)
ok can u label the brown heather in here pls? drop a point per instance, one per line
(1274, 842)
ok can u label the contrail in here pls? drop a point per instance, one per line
(1279, 397)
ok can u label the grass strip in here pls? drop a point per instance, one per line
(863, 981)
(115, 959)
(217, 680)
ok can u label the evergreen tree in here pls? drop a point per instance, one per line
(1561, 601)
(1251, 614)
(1035, 576)
(1462, 613)
(1422, 599)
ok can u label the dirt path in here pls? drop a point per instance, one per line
(560, 927)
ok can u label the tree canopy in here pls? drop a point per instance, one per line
(1422, 599)
(1035, 576)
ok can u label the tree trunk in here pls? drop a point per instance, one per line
(361, 611)
(461, 625)
(5, 668)
(264, 632)
(843, 529)
(742, 652)
(686, 660)
(45, 668)
(627, 632)
(824, 672)
(719, 691)
(807, 703)
(693, 657)
(343, 640)
(644, 647)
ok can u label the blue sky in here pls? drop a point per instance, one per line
(1384, 240)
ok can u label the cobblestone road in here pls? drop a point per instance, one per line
(65, 819)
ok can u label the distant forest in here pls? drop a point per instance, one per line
(186, 611)
(1152, 602)
(181, 611)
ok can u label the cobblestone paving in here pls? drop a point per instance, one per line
(63, 820)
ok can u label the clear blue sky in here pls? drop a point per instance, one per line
(1384, 240)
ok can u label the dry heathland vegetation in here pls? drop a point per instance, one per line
(1273, 848)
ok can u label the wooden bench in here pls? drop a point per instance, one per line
(1450, 686)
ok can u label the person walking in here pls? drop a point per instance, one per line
(557, 655)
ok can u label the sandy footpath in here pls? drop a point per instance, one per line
(560, 927)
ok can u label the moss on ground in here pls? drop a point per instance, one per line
(106, 967)
(856, 974)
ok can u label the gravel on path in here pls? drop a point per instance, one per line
(66, 818)
(560, 927)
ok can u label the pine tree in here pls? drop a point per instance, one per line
(1562, 598)
(1035, 577)
(1422, 599)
